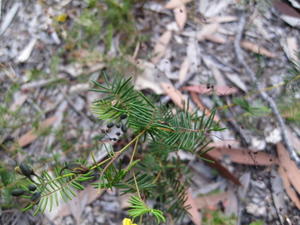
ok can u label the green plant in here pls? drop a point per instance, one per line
(101, 21)
(257, 222)
(149, 174)
(218, 218)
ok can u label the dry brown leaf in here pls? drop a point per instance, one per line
(176, 3)
(175, 95)
(243, 156)
(184, 68)
(288, 187)
(286, 9)
(289, 166)
(221, 19)
(204, 89)
(180, 14)
(215, 38)
(202, 107)
(31, 135)
(221, 169)
(211, 201)
(161, 46)
(257, 49)
(208, 33)
(193, 208)
(207, 30)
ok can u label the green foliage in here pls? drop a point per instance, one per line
(7, 177)
(257, 222)
(255, 109)
(157, 133)
(139, 208)
(100, 21)
(290, 110)
(218, 218)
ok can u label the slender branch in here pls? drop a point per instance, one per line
(112, 159)
(117, 154)
(262, 93)
(134, 151)
(136, 186)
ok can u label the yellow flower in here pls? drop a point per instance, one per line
(61, 18)
(127, 221)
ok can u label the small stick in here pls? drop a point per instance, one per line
(262, 93)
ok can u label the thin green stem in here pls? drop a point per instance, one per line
(136, 186)
(119, 152)
(134, 151)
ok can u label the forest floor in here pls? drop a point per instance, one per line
(240, 57)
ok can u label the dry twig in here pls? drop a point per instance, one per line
(262, 93)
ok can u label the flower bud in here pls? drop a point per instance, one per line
(36, 196)
(123, 116)
(17, 192)
(26, 170)
(31, 187)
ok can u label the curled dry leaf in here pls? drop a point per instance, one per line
(175, 95)
(176, 3)
(202, 107)
(161, 46)
(243, 156)
(257, 49)
(289, 166)
(180, 14)
(207, 90)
